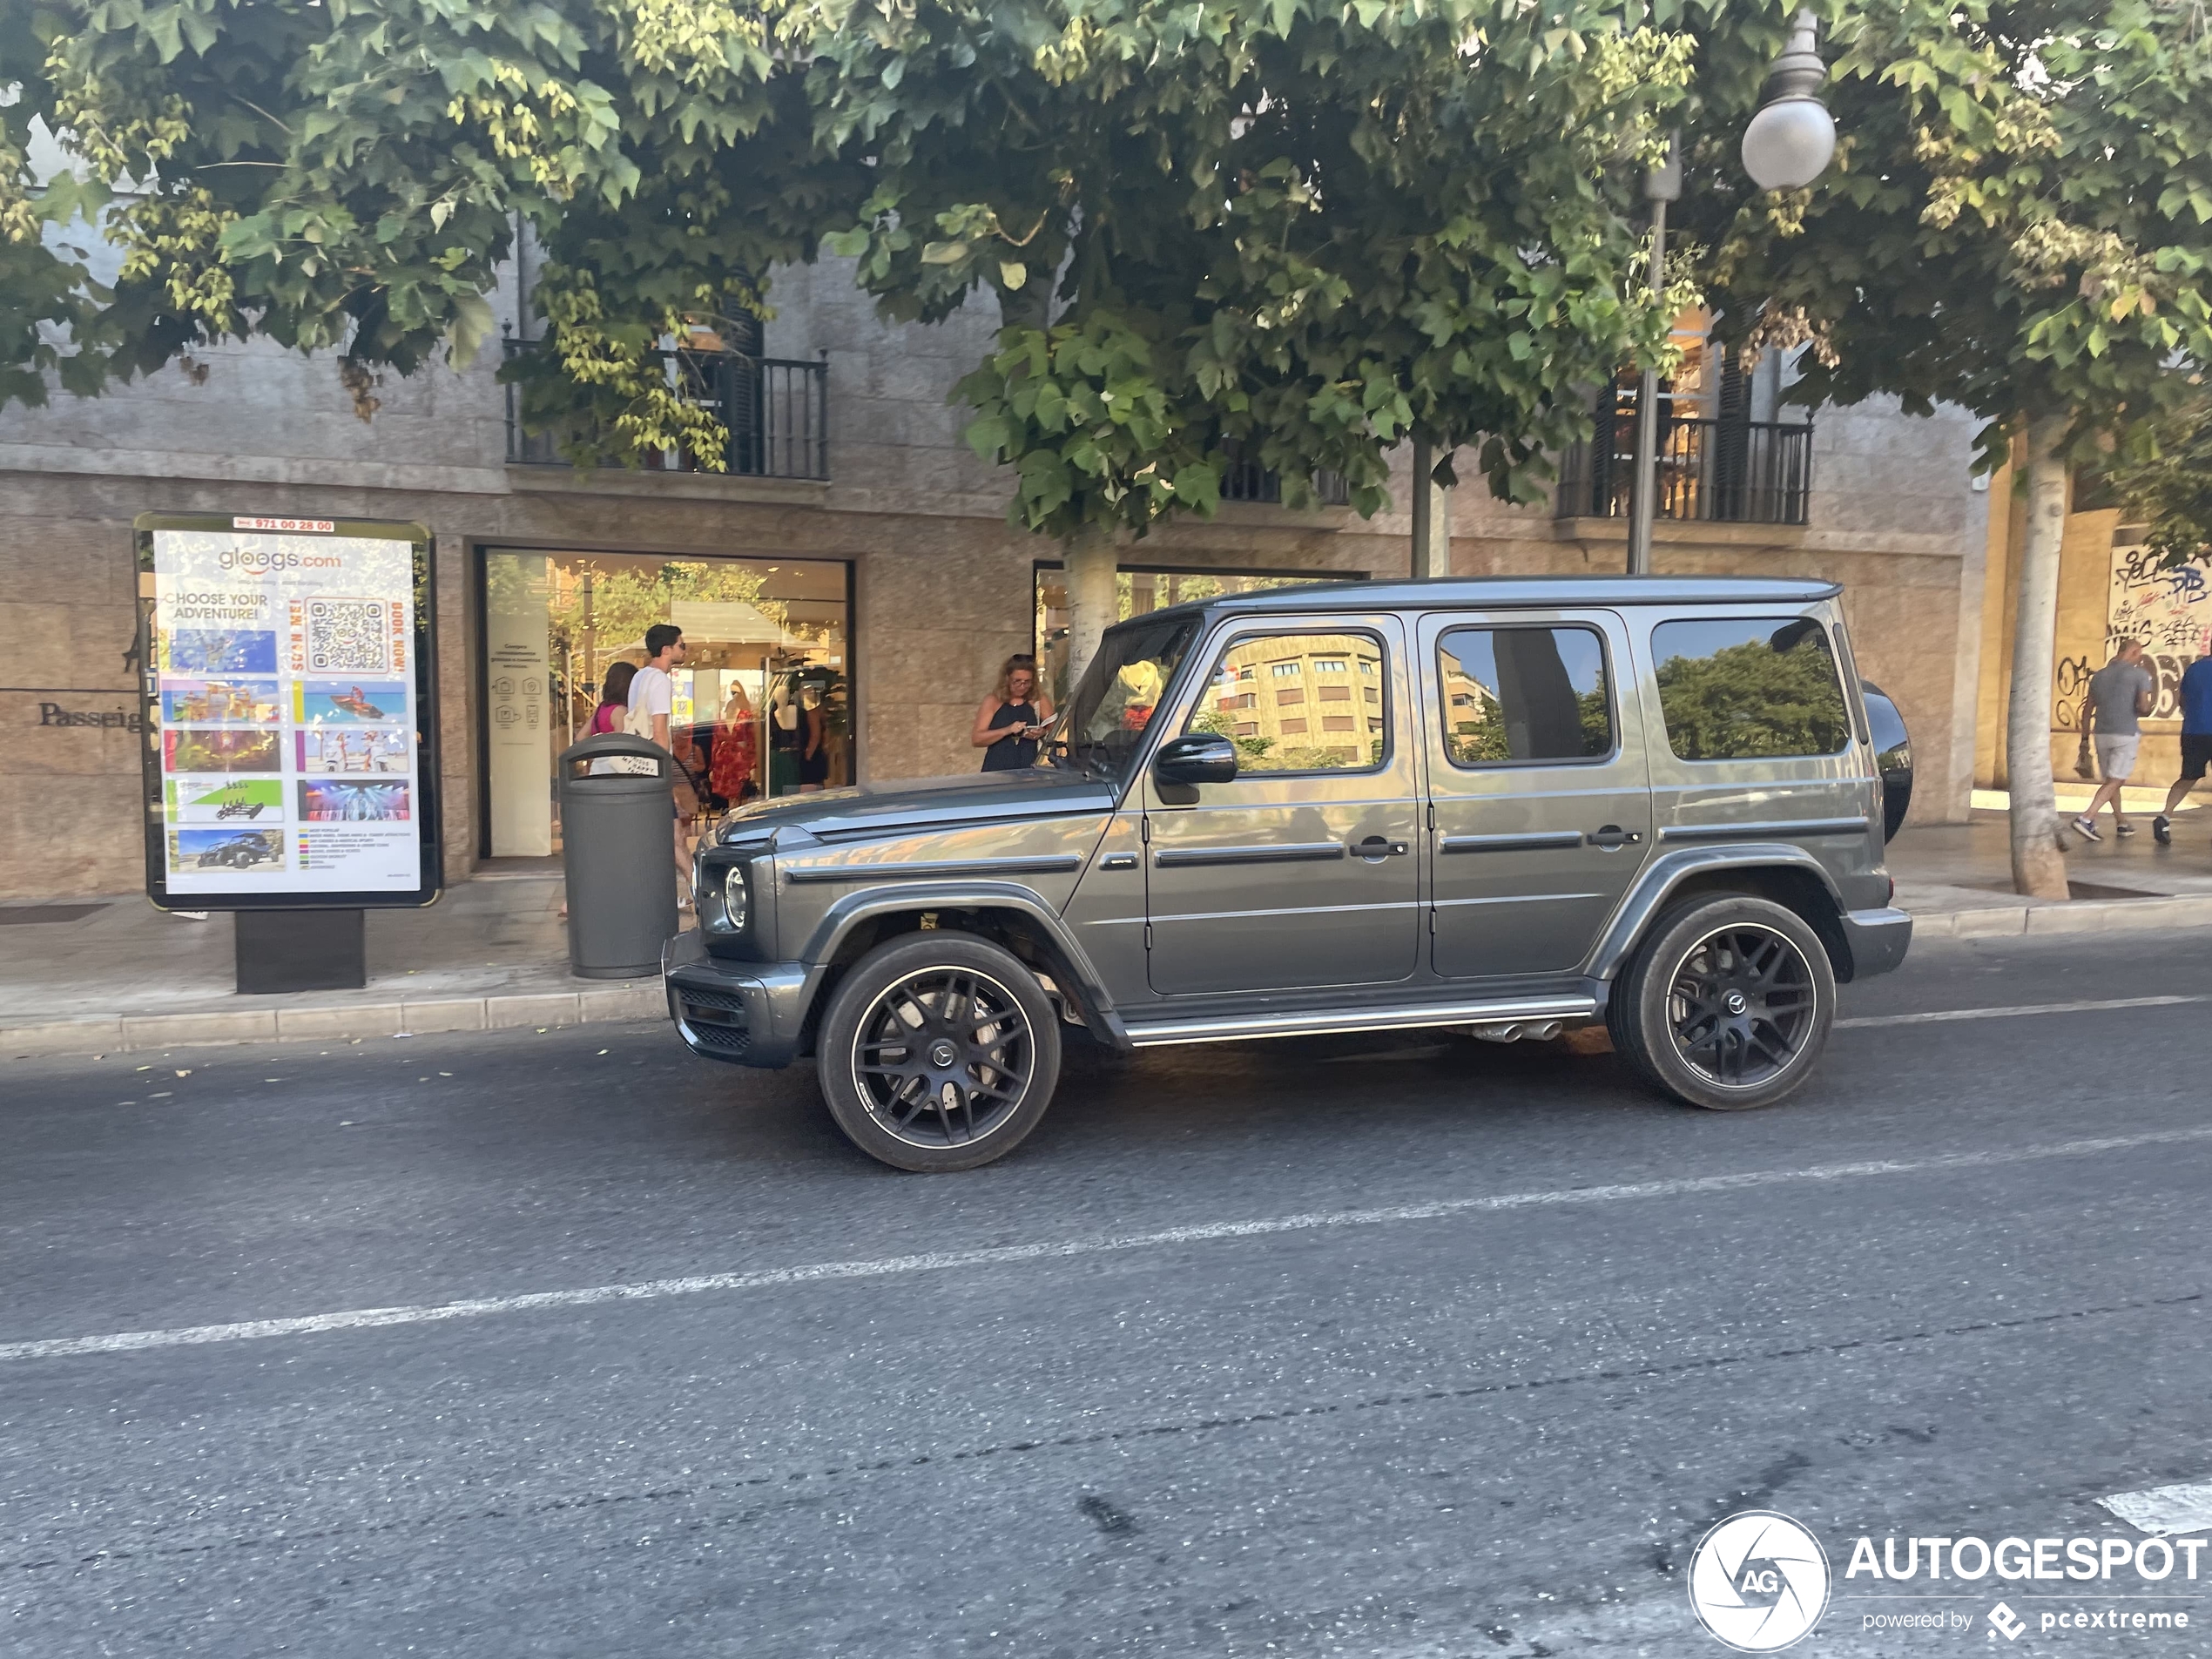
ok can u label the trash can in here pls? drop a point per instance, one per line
(618, 845)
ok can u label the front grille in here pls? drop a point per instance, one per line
(700, 996)
(716, 1017)
(723, 1039)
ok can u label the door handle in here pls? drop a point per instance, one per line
(1377, 846)
(1612, 837)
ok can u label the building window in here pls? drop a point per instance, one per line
(1749, 688)
(1284, 671)
(768, 663)
(1524, 695)
(1290, 694)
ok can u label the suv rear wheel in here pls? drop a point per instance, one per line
(939, 1051)
(1726, 1005)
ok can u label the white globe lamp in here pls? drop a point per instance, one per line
(1792, 138)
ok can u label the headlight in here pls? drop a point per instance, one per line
(737, 900)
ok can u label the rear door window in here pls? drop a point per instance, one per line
(1749, 688)
(1523, 696)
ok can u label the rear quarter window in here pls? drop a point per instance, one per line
(1750, 688)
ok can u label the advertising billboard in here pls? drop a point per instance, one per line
(289, 695)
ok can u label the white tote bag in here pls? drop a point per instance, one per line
(636, 724)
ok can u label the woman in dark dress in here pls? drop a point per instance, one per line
(1008, 720)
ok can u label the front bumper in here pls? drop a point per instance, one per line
(1877, 940)
(748, 1014)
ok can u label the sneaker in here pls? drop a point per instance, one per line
(2161, 830)
(2124, 829)
(2087, 828)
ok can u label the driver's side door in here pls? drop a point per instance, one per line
(1302, 871)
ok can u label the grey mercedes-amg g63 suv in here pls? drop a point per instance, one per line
(1505, 806)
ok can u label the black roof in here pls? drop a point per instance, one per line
(1524, 591)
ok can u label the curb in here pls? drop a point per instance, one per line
(2074, 916)
(130, 1033)
(646, 1000)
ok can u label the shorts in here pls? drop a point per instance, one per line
(2196, 754)
(2116, 755)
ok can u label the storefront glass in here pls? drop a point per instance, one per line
(762, 701)
(1143, 589)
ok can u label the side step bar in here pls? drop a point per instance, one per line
(1525, 1011)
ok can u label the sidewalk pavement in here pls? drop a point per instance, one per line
(116, 976)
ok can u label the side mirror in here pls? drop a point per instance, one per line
(1200, 757)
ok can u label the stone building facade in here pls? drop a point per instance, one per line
(917, 585)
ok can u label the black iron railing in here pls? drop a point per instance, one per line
(1249, 480)
(1743, 472)
(776, 411)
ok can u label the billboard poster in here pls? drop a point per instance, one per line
(287, 687)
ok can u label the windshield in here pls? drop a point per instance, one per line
(1100, 730)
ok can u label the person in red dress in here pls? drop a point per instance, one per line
(736, 750)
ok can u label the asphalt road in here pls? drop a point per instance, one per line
(1405, 1348)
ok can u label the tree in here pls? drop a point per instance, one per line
(1298, 231)
(2165, 480)
(2018, 220)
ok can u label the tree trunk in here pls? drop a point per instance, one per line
(1093, 599)
(2038, 864)
(1432, 517)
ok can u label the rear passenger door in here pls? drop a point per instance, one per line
(1540, 804)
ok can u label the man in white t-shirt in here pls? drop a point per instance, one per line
(652, 703)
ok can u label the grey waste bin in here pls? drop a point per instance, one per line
(618, 842)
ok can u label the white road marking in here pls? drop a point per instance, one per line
(2023, 1007)
(1057, 1249)
(2164, 1509)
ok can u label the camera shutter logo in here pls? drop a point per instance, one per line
(1759, 1582)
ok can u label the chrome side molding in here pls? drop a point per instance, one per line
(1524, 1011)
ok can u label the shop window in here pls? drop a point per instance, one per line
(766, 677)
(1142, 588)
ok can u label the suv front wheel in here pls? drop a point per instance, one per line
(1726, 1005)
(938, 1051)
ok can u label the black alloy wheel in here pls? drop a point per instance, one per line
(939, 1051)
(937, 1045)
(1741, 1006)
(1727, 1004)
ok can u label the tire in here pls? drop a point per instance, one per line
(1726, 1004)
(967, 1089)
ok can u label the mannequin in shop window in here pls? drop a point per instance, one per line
(736, 750)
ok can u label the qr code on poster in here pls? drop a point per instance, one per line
(349, 635)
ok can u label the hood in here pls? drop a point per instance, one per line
(865, 810)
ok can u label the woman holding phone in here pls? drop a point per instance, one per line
(1010, 721)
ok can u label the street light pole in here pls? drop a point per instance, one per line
(1788, 144)
(1661, 185)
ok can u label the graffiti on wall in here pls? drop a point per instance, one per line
(2169, 610)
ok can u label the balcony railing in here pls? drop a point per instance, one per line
(1742, 472)
(776, 411)
(1249, 480)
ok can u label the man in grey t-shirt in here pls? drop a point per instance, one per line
(2120, 695)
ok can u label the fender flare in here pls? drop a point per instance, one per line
(1664, 875)
(849, 912)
